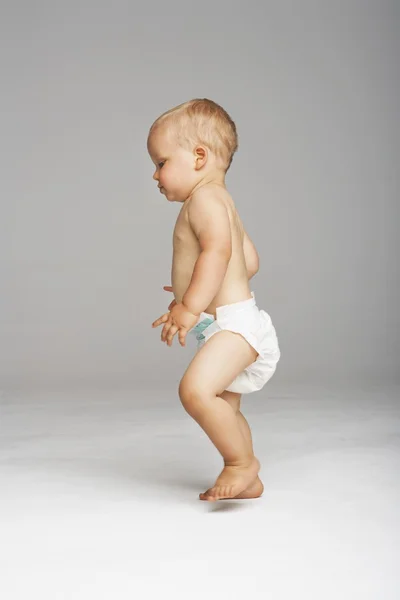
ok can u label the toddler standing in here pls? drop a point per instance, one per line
(192, 146)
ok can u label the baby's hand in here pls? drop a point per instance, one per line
(178, 320)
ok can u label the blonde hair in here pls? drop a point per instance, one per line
(202, 121)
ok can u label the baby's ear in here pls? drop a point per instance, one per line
(201, 155)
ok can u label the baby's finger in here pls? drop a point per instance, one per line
(165, 330)
(168, 288)
(162, 319)
(182, 336)
(171, 334)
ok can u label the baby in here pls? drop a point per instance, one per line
(192, 146)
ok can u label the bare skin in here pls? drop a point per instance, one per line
(239, 478)
(199, 272)
(186, 251)
(256, 487)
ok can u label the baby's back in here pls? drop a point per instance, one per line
(235, 286)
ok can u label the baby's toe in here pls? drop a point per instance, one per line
(212, 494)
(205, 495)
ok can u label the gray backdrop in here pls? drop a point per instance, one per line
(86, 238)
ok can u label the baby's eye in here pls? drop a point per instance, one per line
(161, 164)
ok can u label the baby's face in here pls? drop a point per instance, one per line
(175, 167)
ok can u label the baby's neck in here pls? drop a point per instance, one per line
(210, 179)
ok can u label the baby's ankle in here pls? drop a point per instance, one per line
(242, 462)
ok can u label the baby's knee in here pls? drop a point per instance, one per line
(191, 395)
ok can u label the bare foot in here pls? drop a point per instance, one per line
(254, 490)
(234, 480)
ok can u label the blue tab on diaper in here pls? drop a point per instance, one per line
(201, 327)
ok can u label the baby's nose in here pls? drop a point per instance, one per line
(155, 176)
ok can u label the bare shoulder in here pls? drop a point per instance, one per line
(208, 194)
(205, 206)
(209, 219)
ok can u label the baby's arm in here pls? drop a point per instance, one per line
(209, 220)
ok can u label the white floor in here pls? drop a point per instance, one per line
(99, 498)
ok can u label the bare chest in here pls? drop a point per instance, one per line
(184, 240)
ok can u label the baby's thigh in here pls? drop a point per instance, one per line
(217, 364)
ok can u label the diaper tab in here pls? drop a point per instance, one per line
(200, 327)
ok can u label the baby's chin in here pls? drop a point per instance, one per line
(173, 196)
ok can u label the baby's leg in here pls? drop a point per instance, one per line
(233, 399)
(215, 366)
(256, 488)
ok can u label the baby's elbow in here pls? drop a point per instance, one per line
(253, 267)
(251, 273)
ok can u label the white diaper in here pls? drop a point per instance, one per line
(256, 327)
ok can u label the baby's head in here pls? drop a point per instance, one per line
(191, 144)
